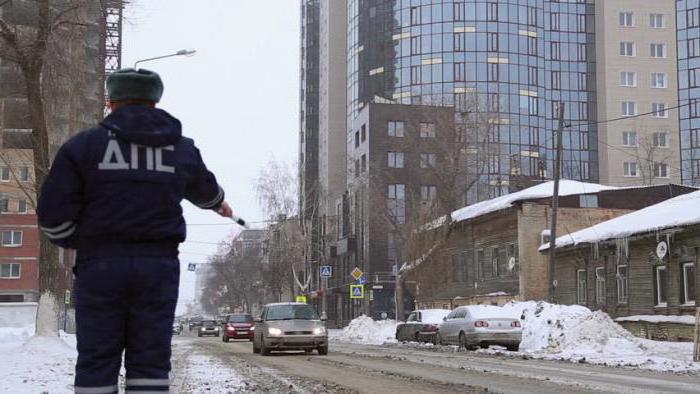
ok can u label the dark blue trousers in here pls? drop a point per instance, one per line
(124, 305)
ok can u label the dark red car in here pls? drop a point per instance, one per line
(238, 326)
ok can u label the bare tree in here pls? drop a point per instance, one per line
(40, 38)
(650, 158)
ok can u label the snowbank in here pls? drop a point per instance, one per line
(37, 364)
(575, 333)
(364, 330)
(433, 316)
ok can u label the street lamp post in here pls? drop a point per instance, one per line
(182, 52)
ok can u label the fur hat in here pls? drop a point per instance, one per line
(132, 84)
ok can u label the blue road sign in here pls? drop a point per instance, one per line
(192, 267)
(362, 280)
(326, 271)
(357, 291)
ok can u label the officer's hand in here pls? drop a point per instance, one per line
(225, 210)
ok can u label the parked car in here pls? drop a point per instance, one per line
(481, 325)
(238, 326)
(195, 322)
(209, 327)
(421, 325)
(289, 326)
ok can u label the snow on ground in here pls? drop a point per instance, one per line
(556, 332)
(364, 330)
(575, 333)
(208, 374)
(36, 364)
(684, 319)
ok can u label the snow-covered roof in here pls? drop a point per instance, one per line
(678, 211)
(566, 188)
(433, 316)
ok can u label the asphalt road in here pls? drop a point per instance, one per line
(350, 368)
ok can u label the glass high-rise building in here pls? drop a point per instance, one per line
(688, 37)
(517, 57)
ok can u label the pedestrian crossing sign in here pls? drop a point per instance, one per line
(357, 291)
(301, 298)
(326, 271)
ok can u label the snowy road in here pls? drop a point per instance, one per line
(203, 365)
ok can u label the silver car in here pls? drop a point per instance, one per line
(481, 325)
(289, 326)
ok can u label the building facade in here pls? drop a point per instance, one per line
(636, 74)
(688, 38)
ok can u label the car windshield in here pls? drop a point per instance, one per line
(291, 312)
(240, 319)
(208, 323)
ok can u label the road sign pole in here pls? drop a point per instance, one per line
(324, 286)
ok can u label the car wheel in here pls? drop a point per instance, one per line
(323, 350)
(416, 336)
(437, 339)
(199, 334)
(484, 345)
(513, 348)
(463, 343)
(263, 349)
(256, 349)
(224, 338)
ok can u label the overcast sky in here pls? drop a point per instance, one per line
(238, 97)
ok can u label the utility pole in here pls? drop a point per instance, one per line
(555, 202)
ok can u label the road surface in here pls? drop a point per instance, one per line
(203, 365)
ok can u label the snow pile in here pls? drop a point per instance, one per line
(53, 357)
(364, 330)
(574, 333)
(566, 188)
(679, 211)
(684, 319)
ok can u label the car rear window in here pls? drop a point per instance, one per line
(240, 319)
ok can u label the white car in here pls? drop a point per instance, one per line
(481, 325)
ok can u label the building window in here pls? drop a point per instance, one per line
(10, 271)
(628, 78)
(532, 75)
(11, 238)
(583, 81)
(458, 11)
(688, 273)
(693, 47)
(494, 262)
(582, 52)
(660, 170)
(396, 197)
(659, 110)
(629, 138)
(556, 80)
(363, 163)
(492, 12)
(554, 18)
(363, 133)
(492, 42)
(24, 174)
(630, 169)
(656, 21)
(629, 108)
(428, 192)
(581, 287)
(4, 205)
(480, 264)
(492, 72)
(660, 285)
(4, 174)
(415, 75)
(532, 46)
(692, 17)
(657, 50)
(555, 49)
(357, 139)
(588, 201)
(460, 71)
(395, 128)
(427, 160)
(427, 130)
(627, 19)
(395, 159)
(415, 45)
(459, 42)
(600, 285)
(22, 206)
(658, 80)
(626, 48)
(621, 279)
(415, 15)
(532, 16)
(660, 140)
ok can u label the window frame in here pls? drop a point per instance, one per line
(659, 110)
(625, 106)
(654, 17)
(12, 277)
(654, 47)
(627, 169)
(626, 136)
(654, 80)
(686, 294)
(13, 234)
(624, 46)
(581, 286)
(624, 81)
(657, 286)
(395, 159)
(394, 132)
(622, 283)
(625, 17)
(600, 290)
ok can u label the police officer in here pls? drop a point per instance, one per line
(114, 193)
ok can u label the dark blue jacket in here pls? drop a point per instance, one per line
(115, 190)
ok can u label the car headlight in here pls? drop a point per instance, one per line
(274, 331)
(319, 330)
